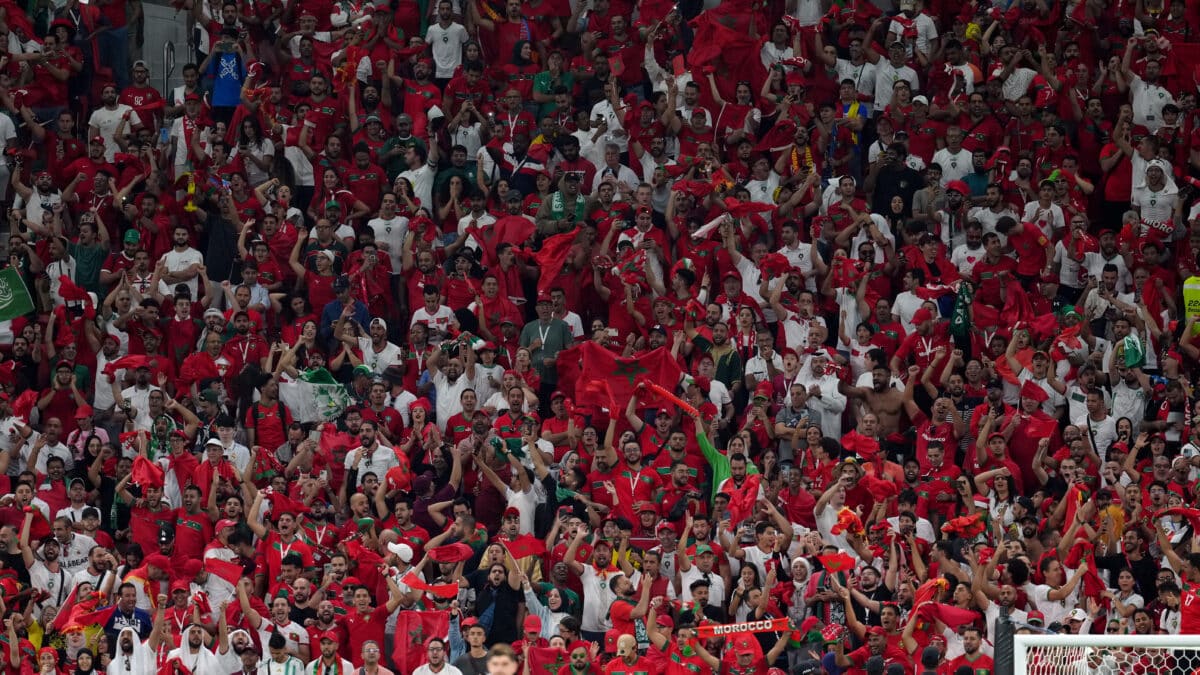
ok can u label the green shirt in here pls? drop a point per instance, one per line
(545, 83)
(555, 335)
(88, 261)
(396, 165)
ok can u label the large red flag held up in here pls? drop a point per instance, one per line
(413, 630)
(623, 374)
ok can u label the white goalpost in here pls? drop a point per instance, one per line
(1105, 654)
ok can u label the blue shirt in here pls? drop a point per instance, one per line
(227, 71)
(330, 315)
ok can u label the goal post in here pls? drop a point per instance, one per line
(1050, 654)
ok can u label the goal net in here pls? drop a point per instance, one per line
(1106, 654)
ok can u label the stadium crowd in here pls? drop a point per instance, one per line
(605, 336)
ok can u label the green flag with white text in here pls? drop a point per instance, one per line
(14, 296)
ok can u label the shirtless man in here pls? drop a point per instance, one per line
(882, 399)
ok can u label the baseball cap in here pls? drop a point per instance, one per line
(132, 237)
(514, 196)
(83, 412)
(342, 283)
(1037, 617)
(1077, 614)
(225, 522)
(921, 316)
(213, 312)
(920, 99)
(533, 624)
(331, 635)
(140, 64)
(98, 139)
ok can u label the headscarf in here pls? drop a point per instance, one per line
(203, 661)
(89, 671)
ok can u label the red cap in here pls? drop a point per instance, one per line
(958, 186)
(876, 630)
(158, 560)
(180, 585)
(224, 523)
(533, 624)
(512, 512)
(332, 636)
(642, 506)
(921, 316)
(469, 621)
(764, 390)
(98, 139)
(1030, 389)
(558, 393)
(83, 412)
(731, 274)
(543, 296)
(1035, 615)
(351, 581)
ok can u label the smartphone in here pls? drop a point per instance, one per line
(315, 435)
(163, 134)
(324, 475)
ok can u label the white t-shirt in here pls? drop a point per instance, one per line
(294, 633)
(596, 599)
(177, 261)
(886, 76)
(481, 221)
(863, 75)
(1148, 101)
(392, 233)
(446, 44)
(926, 32)
(1055, 610)
(105, 121)
(955, 165)
(448, 393)
(964, 258)
(438, 322)
(378, 361)
(421, 179)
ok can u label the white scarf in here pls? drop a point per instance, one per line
(139, 662)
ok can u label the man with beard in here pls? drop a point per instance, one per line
(278, 624)
(437, 651)
(245, 347)
(329, 661)
(101, 563)
(325, 625)
(369, 457)
(181, 265)
(48, 575)
(105, 120)
(132, 656)
(882, 399)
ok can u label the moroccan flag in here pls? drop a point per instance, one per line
(730, 51)
(229, 571)
(743, 499)
(515, 230)
(836, 562)
(62, 619)
(1041, 428)
(82, 618)
(930, 591)
(14, 296)
(967, 527)
(413, 628)
(415, 582)
(547, 660)
(1083, 550)
(1191, 515)
(622, 374)
(568, 367)
(450, 553)
(947, 614)
(552, 257)
(146, 473)
(525, 546)
(197, 367)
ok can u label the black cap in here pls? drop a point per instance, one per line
(573, 175)
(166, 535)
(874, 665)
(808, 667)
(930, 657)
(658, 328)
(342, 283)
(1026, 502)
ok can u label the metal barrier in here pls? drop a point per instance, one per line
(168, 68)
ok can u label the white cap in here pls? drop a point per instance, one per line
(402, 551)
(434, 113)
(1077, 614)
(920, 99)
(328, 253)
